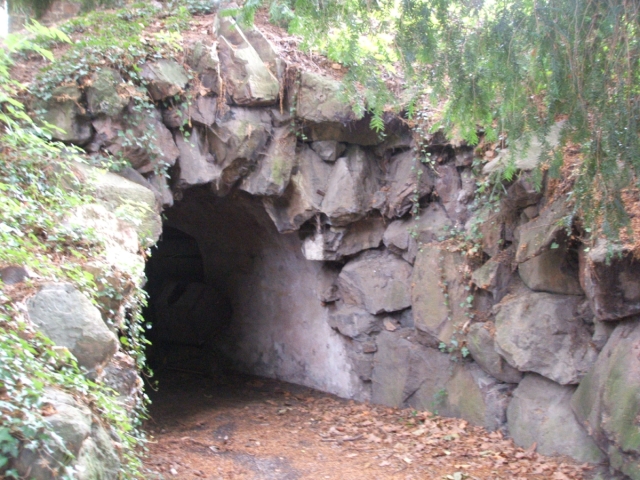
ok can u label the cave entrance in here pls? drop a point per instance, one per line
(228, 292)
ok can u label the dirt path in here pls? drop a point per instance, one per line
(254, 428)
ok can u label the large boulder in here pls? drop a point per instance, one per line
(439, 297)
(553, 271)
(197, 164)
(104, 95)
(129, 201)
(247, 79)
(403, 237)
(141, 138)
(408, 180)
(70, 320)
(319, 99)
(609, 276)
(538, 235)
(74, 433)
(377, 281)
(63, 111)
(544, 333)
(352, 321)
(165, 79)
(237, 140)
(540, 413)
(273, 171)
(334, 243)
(303, 197)
(481, 345)
(607, 401)
(352, 183)
(203, 59)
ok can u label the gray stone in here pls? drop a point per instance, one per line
(377, 281)
(488, 226)
(203, 59)
(273, 171)
(328, 150)
(353, 322)
(350, 190)
(67, 317)
(63, 110)
(131, 202)
(334, 243)
(247, 79)
(551, 271)
(538, 235)
(407, 178)
(13, 274)
(405, 372)
(540, 413)
(197, 165)
(165, 79)
(319, 100)
(304, 195)
(141, 139)
(526, 158)
(357, 132)
(543, 333)
(98, 458)
(237, 140)
(609, 276)
(481, 345)
(404, 237)
(607, 401)
(448, 187)
(203, 110)
(121, 374)
(160, 188)
(103, 95)
(438, 292)
(266, 51)
(495, 275)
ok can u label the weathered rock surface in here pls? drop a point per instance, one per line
(538, 235)
(64, 111)
(607, 401)
(272, 174)
(248, 81)
(121, 374)
(319, 100)
(237, 140)
(141, 139)
(353, 322)
(67, 317)
(13, 274)
(540, 413)
(407, 178)
(609, 276)
(197, 165)
(129, 201)
(328, 150)
(334, 243)
(481, 345)
(543, 333)
(377, 281)
(553, 271)
(165, 78)
(438, 292)
(403, 237)
(76, 434)
(103, 96)
(495, 275)
(204, 60)
(303, 197)
(350, 188)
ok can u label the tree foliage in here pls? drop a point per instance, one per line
(507, 68)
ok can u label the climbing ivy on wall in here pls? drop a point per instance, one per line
(498, 70)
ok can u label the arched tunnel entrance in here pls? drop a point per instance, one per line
(228, 292)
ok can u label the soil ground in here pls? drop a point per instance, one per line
(255, 428)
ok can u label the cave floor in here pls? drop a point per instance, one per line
(255, 428)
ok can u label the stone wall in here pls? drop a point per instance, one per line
(500, 314)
